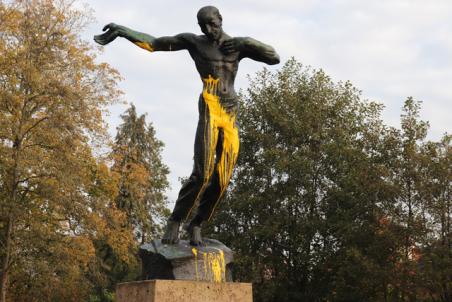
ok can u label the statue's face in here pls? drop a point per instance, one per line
(211, 26)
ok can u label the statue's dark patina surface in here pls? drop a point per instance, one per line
(217, 57)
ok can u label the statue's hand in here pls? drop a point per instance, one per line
(112, 32)
(232, 45)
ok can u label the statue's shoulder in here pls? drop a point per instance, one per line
(197, 38)
(189, 37)
(194, 39)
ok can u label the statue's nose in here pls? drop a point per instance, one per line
(209, 29)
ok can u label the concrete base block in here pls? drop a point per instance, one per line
(183, 291)
(211, 262)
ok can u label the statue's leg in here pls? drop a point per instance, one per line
(193, 189)
(226, 158)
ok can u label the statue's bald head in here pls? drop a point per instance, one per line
(207, 12)
(210, 21)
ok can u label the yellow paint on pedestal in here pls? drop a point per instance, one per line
(214, 266)
(195, 252)
(218, 266)
(204, 255)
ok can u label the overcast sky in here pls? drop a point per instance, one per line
(389, 49)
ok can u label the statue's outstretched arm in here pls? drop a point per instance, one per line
(143, 40)
(251, 48)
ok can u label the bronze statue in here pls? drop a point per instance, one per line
(217, 58)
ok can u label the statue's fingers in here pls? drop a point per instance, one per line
(112, 35)
(229, 48)
(101, 42)
(228, 43)
(106, 36)
(228, 51)
(97, 38)
(108, 26)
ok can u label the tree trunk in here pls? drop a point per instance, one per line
(6, 262)
(9, 231)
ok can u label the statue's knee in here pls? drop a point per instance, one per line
(199, 178)
(194, 177)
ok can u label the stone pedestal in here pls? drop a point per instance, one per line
(183, 291)
(210, 262)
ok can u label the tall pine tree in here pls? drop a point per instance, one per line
(142, 175)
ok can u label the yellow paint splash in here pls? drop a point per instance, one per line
(218, 267)
(217, 118)
(204, 255)
(145, 45)
(220, 118)
(214, 266)
(195, 252)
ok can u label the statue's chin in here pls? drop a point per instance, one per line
(213, 38)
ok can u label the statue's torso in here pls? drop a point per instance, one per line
(210, 61)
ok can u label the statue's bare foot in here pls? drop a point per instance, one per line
(194, 233)
(171, 235)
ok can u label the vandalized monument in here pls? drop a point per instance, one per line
(216, 56)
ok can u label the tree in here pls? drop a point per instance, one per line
(143, 176)
(329, 204)
(56, 197)
(141, 184)
(408, 207)
(435, 190)
(302, 212)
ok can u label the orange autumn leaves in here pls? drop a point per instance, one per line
(60, 225)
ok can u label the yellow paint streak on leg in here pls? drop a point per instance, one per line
(145, 45)
(220, 118)
(213, 103)
(208, 165)
(195, 252)
(210, 136)
(217, 117)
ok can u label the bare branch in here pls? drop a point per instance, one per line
(34, 126)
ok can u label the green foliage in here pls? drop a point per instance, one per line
(319, 208)
(142, 182)
(327, 203)
(56, 196)
(143, 176)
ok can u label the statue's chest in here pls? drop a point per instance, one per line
(207, 52)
